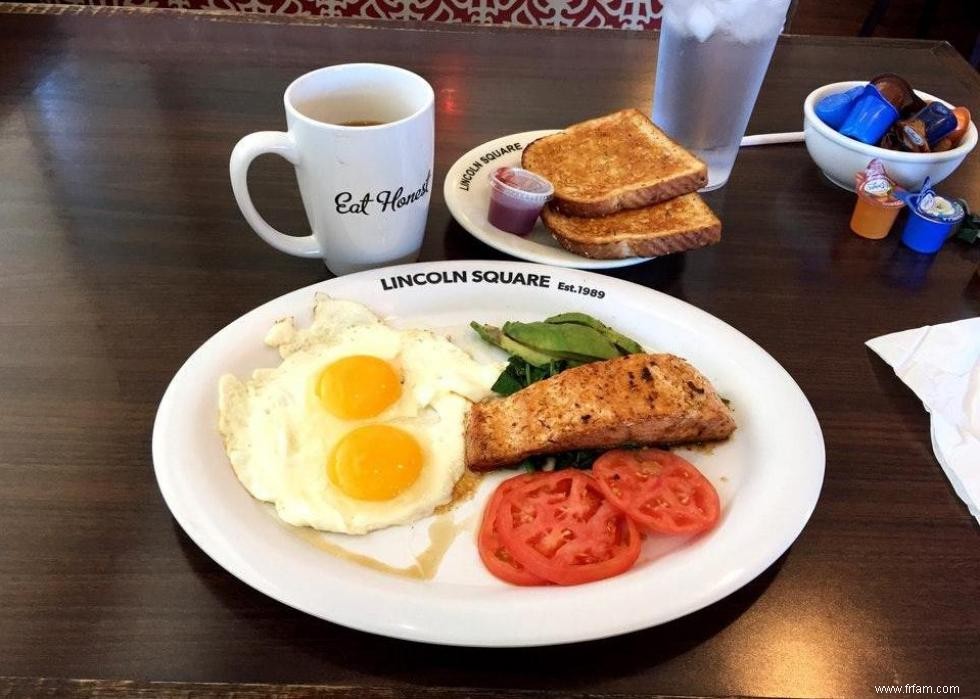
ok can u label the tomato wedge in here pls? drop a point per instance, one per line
(562, 528)
(495, 556)
(660, 491)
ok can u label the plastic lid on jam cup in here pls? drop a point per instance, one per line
(516, 199)
(875, 186)
(940, 209)
(522, 186)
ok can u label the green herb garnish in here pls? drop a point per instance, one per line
(520, 374)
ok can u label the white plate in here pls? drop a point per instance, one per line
(768, 475)
(467, 194)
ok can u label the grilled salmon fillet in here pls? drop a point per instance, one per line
(638, 399)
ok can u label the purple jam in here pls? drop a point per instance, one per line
(516, 199)
(513, 219)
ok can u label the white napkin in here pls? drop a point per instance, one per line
(941, 364)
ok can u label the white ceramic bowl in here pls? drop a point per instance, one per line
(841, 157)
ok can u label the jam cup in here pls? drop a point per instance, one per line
(516, 199)
(870, 117)
(898, 91)
(877, 203)
(833, 109)
(931, 221)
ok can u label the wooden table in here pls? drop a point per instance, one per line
(121, 250)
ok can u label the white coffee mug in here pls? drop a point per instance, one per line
(365, 188)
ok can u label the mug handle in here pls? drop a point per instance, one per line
(247, 150)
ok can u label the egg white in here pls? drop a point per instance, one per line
(279, 437)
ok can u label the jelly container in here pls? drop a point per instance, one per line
(931, 221)
(516, 199)
(897, 90)
(919, 133)
(833, 109)
(870, 117)
(953, 138)
(877, 204)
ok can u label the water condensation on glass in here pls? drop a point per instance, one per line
(713, 57)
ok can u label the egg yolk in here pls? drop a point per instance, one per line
(357, 387)
(375, 462)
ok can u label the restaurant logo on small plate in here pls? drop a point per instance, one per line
(486, 159)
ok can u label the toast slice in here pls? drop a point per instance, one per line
(639, 399)
(676, 225)
(616, 162)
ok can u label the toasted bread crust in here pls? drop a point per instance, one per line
(680, 224)
(636, 199)
(612, 163)
(642, 248)
(639, 399)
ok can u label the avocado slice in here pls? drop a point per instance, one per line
(626, 344)
(496, 337)
(562, 340)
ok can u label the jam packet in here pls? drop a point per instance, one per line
(877, 203)
(931, 221)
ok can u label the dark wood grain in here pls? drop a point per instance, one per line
(121, 250)
(40, 688)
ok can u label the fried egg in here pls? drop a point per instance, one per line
(359, 427)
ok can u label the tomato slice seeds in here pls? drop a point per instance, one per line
(570, 527)
(660, 491)
(561, 527)
(499, 559)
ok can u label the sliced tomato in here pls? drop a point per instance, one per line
(660, 491)
(495, 556)
(561, 527)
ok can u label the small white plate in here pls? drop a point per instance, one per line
(467, 195)
(768, 475)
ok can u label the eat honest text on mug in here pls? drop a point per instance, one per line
(385, 200)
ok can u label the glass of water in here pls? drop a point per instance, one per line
(712, 59)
